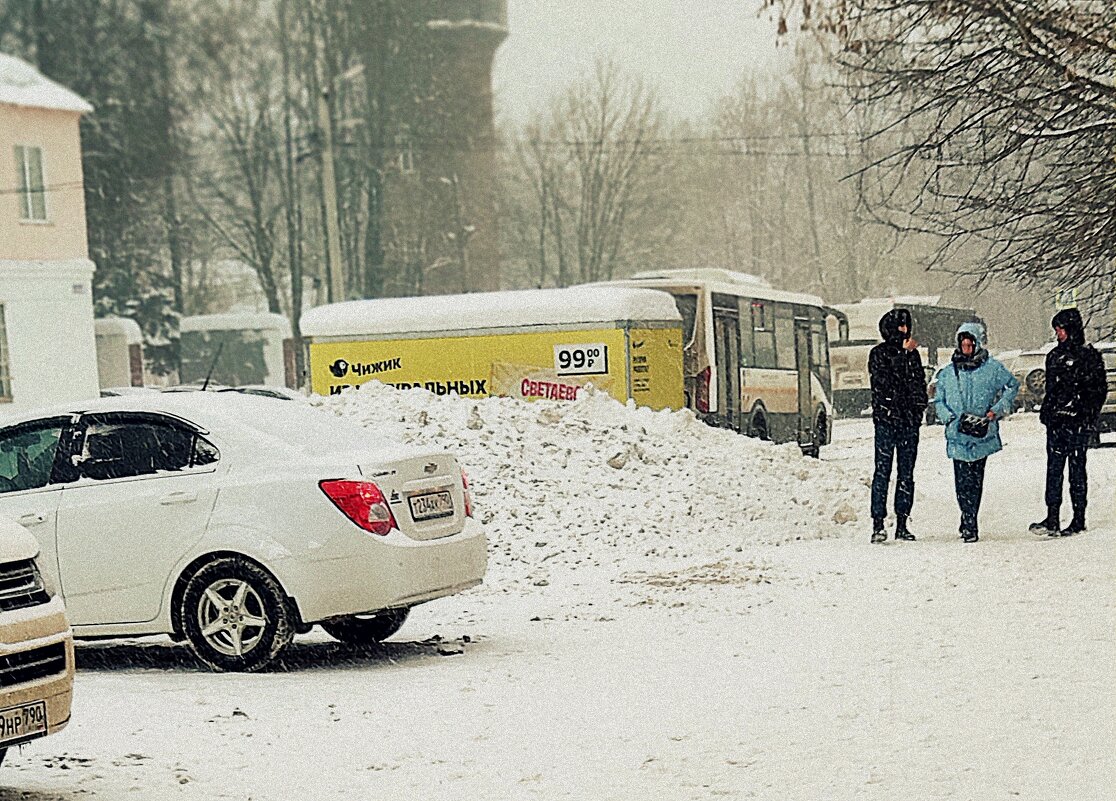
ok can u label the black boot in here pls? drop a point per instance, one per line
(901, 531)
(878, 533)
(1048, 526)
(1076, 526)
(969, 535)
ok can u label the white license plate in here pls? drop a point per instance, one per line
(431, 505)
(23, 722)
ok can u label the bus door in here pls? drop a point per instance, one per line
(806, 428)
(726, 338)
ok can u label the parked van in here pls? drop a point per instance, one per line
(119, 352)
(530, 344)
(36, 645)
(237, 349)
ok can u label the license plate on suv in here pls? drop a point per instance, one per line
(23, 722)
(431, 505)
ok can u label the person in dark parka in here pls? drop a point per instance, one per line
(1075, 392)
(898, 402)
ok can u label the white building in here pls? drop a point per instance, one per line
(47, 350)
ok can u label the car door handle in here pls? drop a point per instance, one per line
(31, 519)
(178, 497)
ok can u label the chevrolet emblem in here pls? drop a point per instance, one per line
(430, 469)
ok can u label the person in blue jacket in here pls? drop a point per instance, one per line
(974, 391)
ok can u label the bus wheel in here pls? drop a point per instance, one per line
(813, 450)
(757, 426)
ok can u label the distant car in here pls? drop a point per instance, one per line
(279, 393)
(1029, 367)
(37, 650)
(1108, 411)
(233, 521)
(116, 392)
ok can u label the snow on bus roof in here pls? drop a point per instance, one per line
(486, 310)
(895, 300)
(718, 280)
(118, 326)
(248, 321)
(23, 85)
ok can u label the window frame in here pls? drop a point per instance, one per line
(7, 392)
(25, 185)
(143, 418)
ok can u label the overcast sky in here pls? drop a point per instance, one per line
(693, 50)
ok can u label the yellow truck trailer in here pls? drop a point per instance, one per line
(529, 344)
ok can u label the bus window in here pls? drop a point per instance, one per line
(687, 307)
(763, 334)
(747, 341)
(819, 352)
(784, 338)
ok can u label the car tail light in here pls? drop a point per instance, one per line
(362, 502)
(468, 494)
(701, 391)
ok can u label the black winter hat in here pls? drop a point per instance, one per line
(1070, 320)
(890, 322)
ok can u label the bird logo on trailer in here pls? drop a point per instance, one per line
(339, 368)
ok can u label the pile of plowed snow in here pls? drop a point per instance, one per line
(594, 482)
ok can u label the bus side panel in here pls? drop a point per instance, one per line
(656, 367)
(517, 364)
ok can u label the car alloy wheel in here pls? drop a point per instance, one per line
(235, 615)
(231, 617)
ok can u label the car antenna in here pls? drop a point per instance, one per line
(212, 366)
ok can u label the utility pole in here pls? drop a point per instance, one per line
(329, 196)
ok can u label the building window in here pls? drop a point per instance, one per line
(405, 160)
(5, 372)
(32, 193)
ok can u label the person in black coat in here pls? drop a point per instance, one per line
(898, 402)
(1075, 391)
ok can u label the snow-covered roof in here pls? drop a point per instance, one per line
(488, 310)
(894, 300)
(248, 321)
(118, 326)
(23, 85)
(717, 280)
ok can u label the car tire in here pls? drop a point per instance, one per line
(367, 629)
(1036, 382)
(235, 615)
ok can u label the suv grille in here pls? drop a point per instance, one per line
(21, 586)
(25, 666)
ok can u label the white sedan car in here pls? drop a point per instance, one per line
(234, 522)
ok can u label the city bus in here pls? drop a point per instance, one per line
(933, 327)
(755, 358)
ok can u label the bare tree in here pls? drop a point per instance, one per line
(1001, 132)
(587, 165)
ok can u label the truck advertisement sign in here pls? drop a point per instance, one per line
(552, 365)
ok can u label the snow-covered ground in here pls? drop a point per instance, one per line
(671, 612)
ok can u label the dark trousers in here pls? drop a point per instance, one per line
(1064, 445)
(896, 444)
(968, 483)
